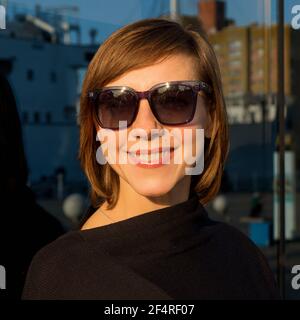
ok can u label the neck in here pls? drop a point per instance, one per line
(131, 203)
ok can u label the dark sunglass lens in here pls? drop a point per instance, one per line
(116, 105)
(174, 104)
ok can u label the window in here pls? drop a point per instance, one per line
(25, 117)
(30, 75)
(235, 45)
(53, 77)
(48, 117)
(236, 53)
(235, 63)
(36, 117)
(69, 112)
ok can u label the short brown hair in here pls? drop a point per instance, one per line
(142, 44)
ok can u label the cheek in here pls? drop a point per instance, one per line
(193, 141)
(115, 148)
(109, 145)
(190, 138)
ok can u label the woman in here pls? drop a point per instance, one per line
(150, 237)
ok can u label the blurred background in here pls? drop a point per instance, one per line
(45, 49)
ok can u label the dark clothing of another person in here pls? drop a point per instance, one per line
(176, 252)
(25, 228)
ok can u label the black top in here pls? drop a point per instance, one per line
(171, 253)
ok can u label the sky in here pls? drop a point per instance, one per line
(109, 15)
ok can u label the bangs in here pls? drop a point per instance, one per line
(140, 45)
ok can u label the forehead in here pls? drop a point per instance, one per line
(174, 68)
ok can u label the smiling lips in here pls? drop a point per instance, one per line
(156, 150)
(151, 158)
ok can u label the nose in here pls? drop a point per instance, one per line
(145, 120)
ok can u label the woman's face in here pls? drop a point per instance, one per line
(146, 178)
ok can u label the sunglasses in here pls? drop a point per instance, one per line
(172, 103)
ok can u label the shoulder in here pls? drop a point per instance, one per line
(234, 241)
(54, 264)
(69, 245)
(244, 261)
(71, 268)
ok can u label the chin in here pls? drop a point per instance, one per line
(148, 183)
(152, 187)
